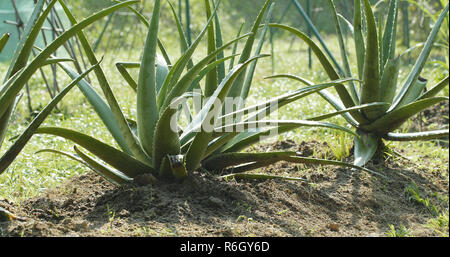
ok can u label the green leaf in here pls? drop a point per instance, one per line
(258, 176)
(123, 71)
(219, 43)
(222, 161)
(394, 119)
(389, 36)
(235, 48)
(3, 40)
(202, 138)
(332, 74)
(28, 37)
(344, 55)
(435, 89)
(330, 98)
(211, 77)
(147, 24)
(417, 136)
(102, 172)
(360, 47)
(251, 71)
(410, 82)
(100, 107)
(370, 88)
(365, 147)
(177, 69)
(186, 81)
(181, 34)
(388, 84)
(130, 139)
(9, 156)
(166, 140)
(125, 163)
(147, 108)
(109, 174)
(236, 89)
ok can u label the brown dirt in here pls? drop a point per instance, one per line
(334, 202)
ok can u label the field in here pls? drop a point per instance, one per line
(55, 196)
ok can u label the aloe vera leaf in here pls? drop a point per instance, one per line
(236, 89)
(348, 23)
(277, 123)
(100, 107)
(344, 55)
(166, 140)
(147, 108)
(316, 33)
(6, 117)
(370, 88)
(202, 138)
(251, 71)
(365, 147)
(222, 161)
(3, 40)
(211, 77)
(258, 176)
(130, 139)
(205, 71)
(358, 107)
(380, 41)
(18, 145)
(187, 80)
(181, 34)
(123, 71)
(435, 89)
(219, 43)
(394, 119)
(188, 21)
(162, 69)
(235, 141)
(344, 96)
(98, 171)
(388, 84)
(240, 141)
(109, 174)
(389, 36)
(231, 65)
(417, 136)
(360, 47)
(421, 60)
(178, 67)
(161, 46)
(19, 61)
(416, 90)
(330, 98)
(117, 159)
(287, 98)
(29, 35)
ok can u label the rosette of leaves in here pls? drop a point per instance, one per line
(150, 149)
(22, 69)
(378, 69)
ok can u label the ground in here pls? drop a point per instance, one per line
(331, 202)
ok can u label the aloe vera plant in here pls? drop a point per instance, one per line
(21, 70)
(378, 69)
(156, 145)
